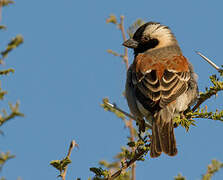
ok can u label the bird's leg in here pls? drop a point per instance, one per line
(142, 127)
(182, 115)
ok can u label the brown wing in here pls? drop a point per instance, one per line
(159, 82)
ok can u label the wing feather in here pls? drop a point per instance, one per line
(159, 84)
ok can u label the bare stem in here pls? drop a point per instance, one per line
(0, 10)
(130, 125)
(120, 110)
(125, 57)
(132, 137)
(72, 145)
(127, 165)
(201, 100)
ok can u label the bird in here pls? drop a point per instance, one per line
(160, 85)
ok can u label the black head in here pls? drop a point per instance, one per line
(148, 36)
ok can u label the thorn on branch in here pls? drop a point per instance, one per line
(209, 61)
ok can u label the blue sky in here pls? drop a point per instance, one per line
(62, 72)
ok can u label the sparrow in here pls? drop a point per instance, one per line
(161, 84)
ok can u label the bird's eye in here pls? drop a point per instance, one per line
(146, 38)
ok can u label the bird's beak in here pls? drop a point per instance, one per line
(131, 43)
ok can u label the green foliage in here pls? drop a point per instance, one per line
(221, 71)
(102, 174)
(123, 160)
(14, 109)
(212, 168)
(187, 119)
(99, 173)
(14, 113)
(2, 27)
(61, 164)
(2, 92)
(139, 148)
(179, 177)
(5, 157)
(7, 71)
(107, 107)
(184, 122)
(212, 90)
(112, 19)
(203, 113)
(15, 42)
(6, 2)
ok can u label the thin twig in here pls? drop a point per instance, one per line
(125, 57)
(0, 10)
(72, 145)
(209, 61)
(127, 164)
(120, 110)
(201, 100)
(110, 105)
(130, 125)
(132, 138)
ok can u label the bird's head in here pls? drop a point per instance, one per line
(149, 36)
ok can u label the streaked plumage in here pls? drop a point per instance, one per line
(160, 83)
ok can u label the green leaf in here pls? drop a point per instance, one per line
(179, 177)
(108, 107)
(131, 144)
(2, 27)
(60, 164)
(6, 2)
(15, 42)
(56, 164)
(14, 113)
(5, 157)
(111, 19)
(212, 168)
(96, 171)
(65, 162)
(7, 71)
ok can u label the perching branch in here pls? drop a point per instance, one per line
(125, 57)
(119, 112)
(113, 107)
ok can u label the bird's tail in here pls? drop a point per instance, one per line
(163, 139)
